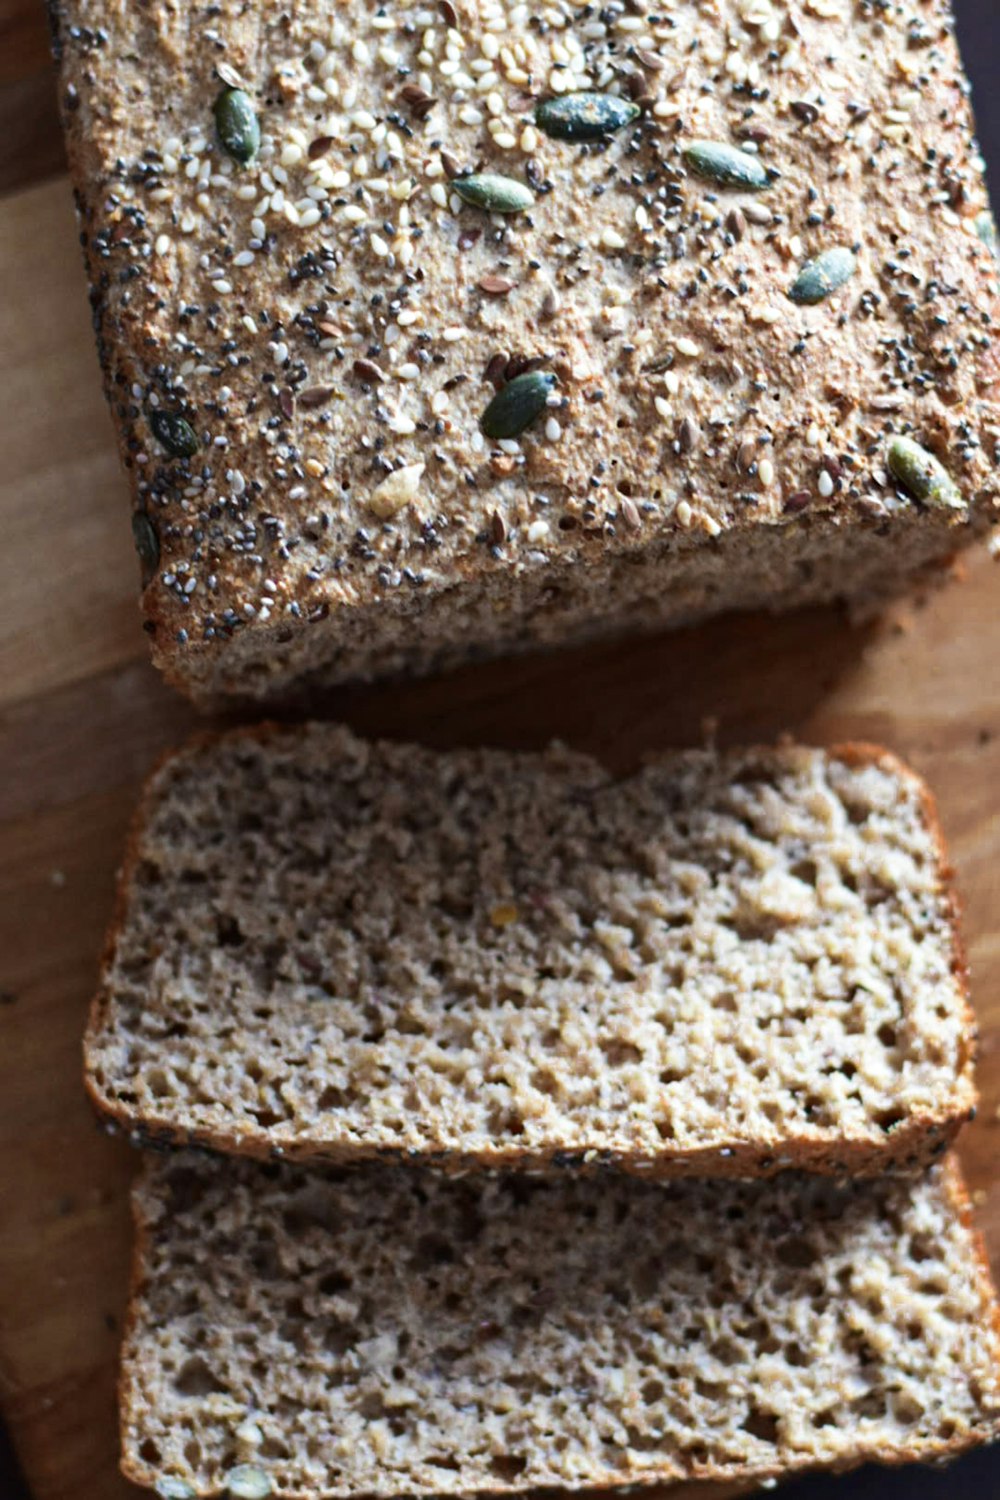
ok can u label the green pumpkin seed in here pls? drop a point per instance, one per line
(922, 474)
(247, 1482)
(147, 543)
(175, 433)
(169, 1488)
(986, 228)
(500, 195)
(517, 404)
(827, 273)
(584, 116)
(237, 125)
(726, 166)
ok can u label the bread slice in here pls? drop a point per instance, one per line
(383, 1331)
(722, 964)
(300, 344)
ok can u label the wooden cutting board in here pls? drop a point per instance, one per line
(82, 716)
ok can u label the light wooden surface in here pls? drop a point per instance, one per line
(82, 715)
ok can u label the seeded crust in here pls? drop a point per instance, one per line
(386, 1332)
(716, 445)
(723, 965)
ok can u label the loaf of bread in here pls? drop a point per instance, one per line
(723, 964)
(440, 328)
(383, 1332)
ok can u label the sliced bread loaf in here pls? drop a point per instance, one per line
(383, 1331)
(722, 964)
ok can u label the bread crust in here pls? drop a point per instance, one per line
(580, 576)
(957, 1195)
(907, 1147)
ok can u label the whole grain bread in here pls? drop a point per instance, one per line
(331, 319)
(380, 1331)
(722, 964)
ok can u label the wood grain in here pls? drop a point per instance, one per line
(31, 144)
(82, 715)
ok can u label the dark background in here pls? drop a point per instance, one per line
(31, 149)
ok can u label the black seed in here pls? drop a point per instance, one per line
(520, 402)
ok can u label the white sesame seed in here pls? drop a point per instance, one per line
(409, 371)
(765, 472)
(663, 407)
(537, 531)
(162, 244)
(825, 484)
(440, 402)
(244, 258)
(553, 431)
(688, 348)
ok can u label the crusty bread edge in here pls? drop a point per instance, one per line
(957, 1199)
(908, 1146)
(184, 666)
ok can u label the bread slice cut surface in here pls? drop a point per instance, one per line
(382, 1331)
(721, 964)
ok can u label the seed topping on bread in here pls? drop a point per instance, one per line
(404, 189)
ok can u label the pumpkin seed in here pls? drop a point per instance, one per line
(237, 125)
(584, 116)
(986, 228)
(825, 274)
(147, 543)
(175, 433)
(922, 474)
(247, 1482)
(499, 195)
(169, 1488)
(726, 166)
(517, 404)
